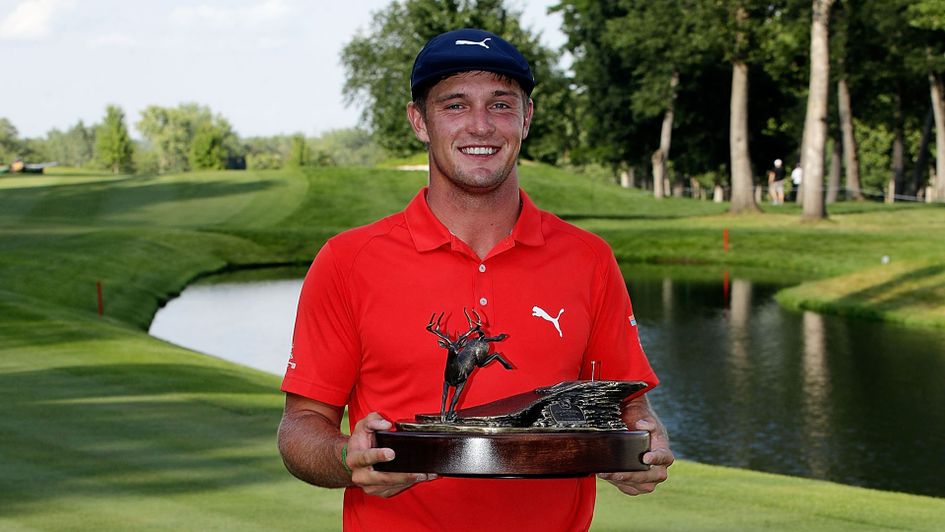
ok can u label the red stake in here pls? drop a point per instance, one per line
(98, 289)
(725, 239)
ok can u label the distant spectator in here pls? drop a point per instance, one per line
(776, 183)
(797, 176)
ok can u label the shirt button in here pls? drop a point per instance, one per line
(482, 268)
(483, 301)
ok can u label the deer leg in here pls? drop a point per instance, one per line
(446, 389)
(451, 413)
(497, 356)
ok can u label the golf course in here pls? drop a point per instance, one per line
(106, 428)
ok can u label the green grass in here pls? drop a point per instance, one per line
(103, 427)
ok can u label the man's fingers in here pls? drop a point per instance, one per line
(372, 422)
(659, 457)
(369, 457)
(362, 437)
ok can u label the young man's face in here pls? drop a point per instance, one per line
(474, 124)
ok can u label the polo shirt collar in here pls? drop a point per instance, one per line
(429, 233)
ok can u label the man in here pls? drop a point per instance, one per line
(470, 240)
(776, 183)
(797, 175)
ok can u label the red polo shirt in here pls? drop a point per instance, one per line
(360, 340)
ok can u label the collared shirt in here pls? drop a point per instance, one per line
(361, 341)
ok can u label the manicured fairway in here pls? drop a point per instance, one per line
(105, 428)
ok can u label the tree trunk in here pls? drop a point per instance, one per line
(938, 108)
(628, 177)
(659, 166)
(917, 180)
(742, 198)
(851, 159)
(661, 155)
(815, 124)
(898, 153)
(833, 182)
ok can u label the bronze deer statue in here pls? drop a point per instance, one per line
(464, 354)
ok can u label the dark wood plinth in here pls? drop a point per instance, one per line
(515, 454)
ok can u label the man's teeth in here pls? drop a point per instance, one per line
(479, 150)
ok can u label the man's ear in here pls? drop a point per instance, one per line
(418, 123)
(529, 112)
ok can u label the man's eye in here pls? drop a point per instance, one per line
(503, 105)
(454, 106)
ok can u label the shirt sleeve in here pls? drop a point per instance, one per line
(615, 341)
(325, 357)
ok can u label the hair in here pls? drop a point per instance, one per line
(423, 91)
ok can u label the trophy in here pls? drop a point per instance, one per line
(569, 429)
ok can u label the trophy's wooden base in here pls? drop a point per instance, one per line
(514, 454)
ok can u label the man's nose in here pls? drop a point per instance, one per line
(481, 123)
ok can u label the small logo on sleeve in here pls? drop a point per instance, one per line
(632, 320)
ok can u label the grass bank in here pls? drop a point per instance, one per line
(106, 428)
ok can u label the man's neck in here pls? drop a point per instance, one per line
(481, 220)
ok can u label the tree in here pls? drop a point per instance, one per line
(815, 125)
(743, 199)
(660, 57)
(207, 150)
(612, 131)
(73, 147)
(298, 152)
(377, 71)
(349, 147)
(171, 133)
(885, 63)
(928, 16)
(113, 146)
(11, 146)
(850, 151)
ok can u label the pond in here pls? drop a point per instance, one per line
(745, 383)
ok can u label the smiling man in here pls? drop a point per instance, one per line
(471, 239)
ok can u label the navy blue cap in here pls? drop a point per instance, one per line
(466, 50)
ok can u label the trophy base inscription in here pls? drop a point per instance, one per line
(515, 454)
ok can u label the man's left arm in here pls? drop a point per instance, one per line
(638, 415)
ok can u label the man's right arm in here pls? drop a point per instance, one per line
(311, 443)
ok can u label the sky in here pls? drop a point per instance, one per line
(268, 66)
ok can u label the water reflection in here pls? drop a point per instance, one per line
(247, 323)
(748, 384)
(745, 383)
(816, 383)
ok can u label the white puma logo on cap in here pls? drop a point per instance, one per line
(539, 312)
(460, 42)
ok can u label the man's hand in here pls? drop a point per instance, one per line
(362, 455)
(638, 415)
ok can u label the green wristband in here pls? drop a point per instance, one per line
(344, 459)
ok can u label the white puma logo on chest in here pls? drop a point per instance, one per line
(540, 313)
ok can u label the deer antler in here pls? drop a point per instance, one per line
(472, 328)
(436, 330)
(470, 321)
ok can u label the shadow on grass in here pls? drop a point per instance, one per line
(107, 431)
(882, 302)
(92, 200)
